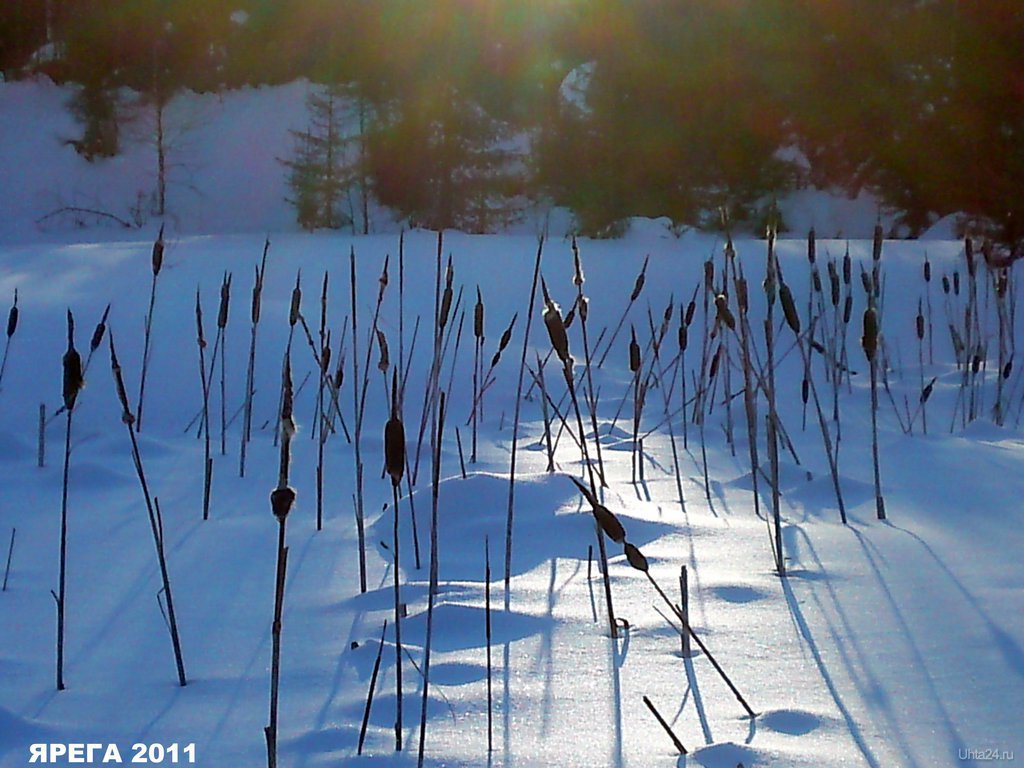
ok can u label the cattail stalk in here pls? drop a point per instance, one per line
(156, 263)
(221, 343)
(665, 726)
(282, 498)
(668, 416)
(487, 632)
(869, 341)
(207, 459)
(509, 518)
(772, 284)
(41, 447)
(395, 465)
(156, 523)
(435, 489)
(638, 287)
(12, 326)
(589, 394)
(7, 572)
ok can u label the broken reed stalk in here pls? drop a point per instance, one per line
(257, 297)
(435, 489)
(373, 686)
(156, 524)
(667, 728)
(222, 324)
(207, 459)
(12, 326)
(509, 518)
(157, 261)
(749, 391)
(7, 572)
(358, 427)
(294, 314)
(638, 287)
(72, 385)
(634, 367)
(869, 342)
(395, 461)
(281, 500)
(487, 632)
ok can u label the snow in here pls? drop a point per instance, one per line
(889, 643)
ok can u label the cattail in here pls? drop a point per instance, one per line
(73, 380)
(742, 295)
(945, 284)
(920, 322)
(634, 353)
(876, 244)
(1007, 369)
(635, 557)
(816, 278)
(257, 297)
(805, 389)
(97, 334)
(811, 249)
(725, 315)
(569, 317)
(869, 341)
(556, 332)
(866, 282)
(715, 362)
(927, 391)
(683, 337)
(709, 275)
(158, 252)
(446, 297)
(690, 309)
(789, 308)
(956, 283)
(847, 267)
(605, 517)
(478, 316)
(382, 344)
(506, 337)
(225, 300)
(293, 313)
(833, 278)
(394, 448)
(12, 316)
(969, 254)
(927, 270)
(638, 286)
(584, 305)
(847, 309)
(577, 276)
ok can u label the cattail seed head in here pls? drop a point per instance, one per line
(927, 392)
(805, 389)
(919, 322)
(866, 282)
(556, 332)
(956, 283)
(158, 252)
(725, 315)
(789, 308)
(394, 449)
(876, 244)
(945, 284)
(478, 316)
(709, 275)
(927, 270)
(325, 356)
(869, 340)
(225, 299)
(609, 523)
(638, 286)
(635, 557)
(690, 309)
(257, 291)
(969, 255)
(200, 336)
(847, 267)
(72, 363)
(715, 362)
(634, 353)
(847, 309)
(101, 328)
(293, 312)
(12, 316)
(1007, 369)
(382, 344)
(683, 337)
(742, 295)
(281, 502)
(584, 304)
(577, 276)
(816, 279)
(569, 317)
(122, 393)
(811, 247)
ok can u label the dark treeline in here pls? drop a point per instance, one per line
(686, 104)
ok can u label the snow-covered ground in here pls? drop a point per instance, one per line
(895, 643)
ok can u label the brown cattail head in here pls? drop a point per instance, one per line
(945, 284)
(506, 337)
(394, 441)
(811, 249)
(742, 295)
(876, 243)
(969, 255)
(666, 318)
(690, 309)
(725, 315)
(158, 252)
(287, 400)
(1007, 369)
(847, 309)
(927, 270)
(847, 267)
(556, 331)
(634, 352)
(570, 315)
(339, 373)
(927, 391)
(605, 517)
(577, 276)
(293, 312)
(956, 283)
(638, 286)
(446, 307)
(122, 394)
(101, 328)
(382, 345)
(257, 294)
(866, 282)
(709, 275)
(805, 389)
(869, 341)
(584, 305)
(789, 308)
(73, 380)
(833, 279)
(281, 502)
(478, 316)
(816, 279)
(382, 281)
(200, 336)
(919, 322)
(325, 356)
(683, 336)
(635, 557)
(715, 362)
(225, 300)
(12, 316)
